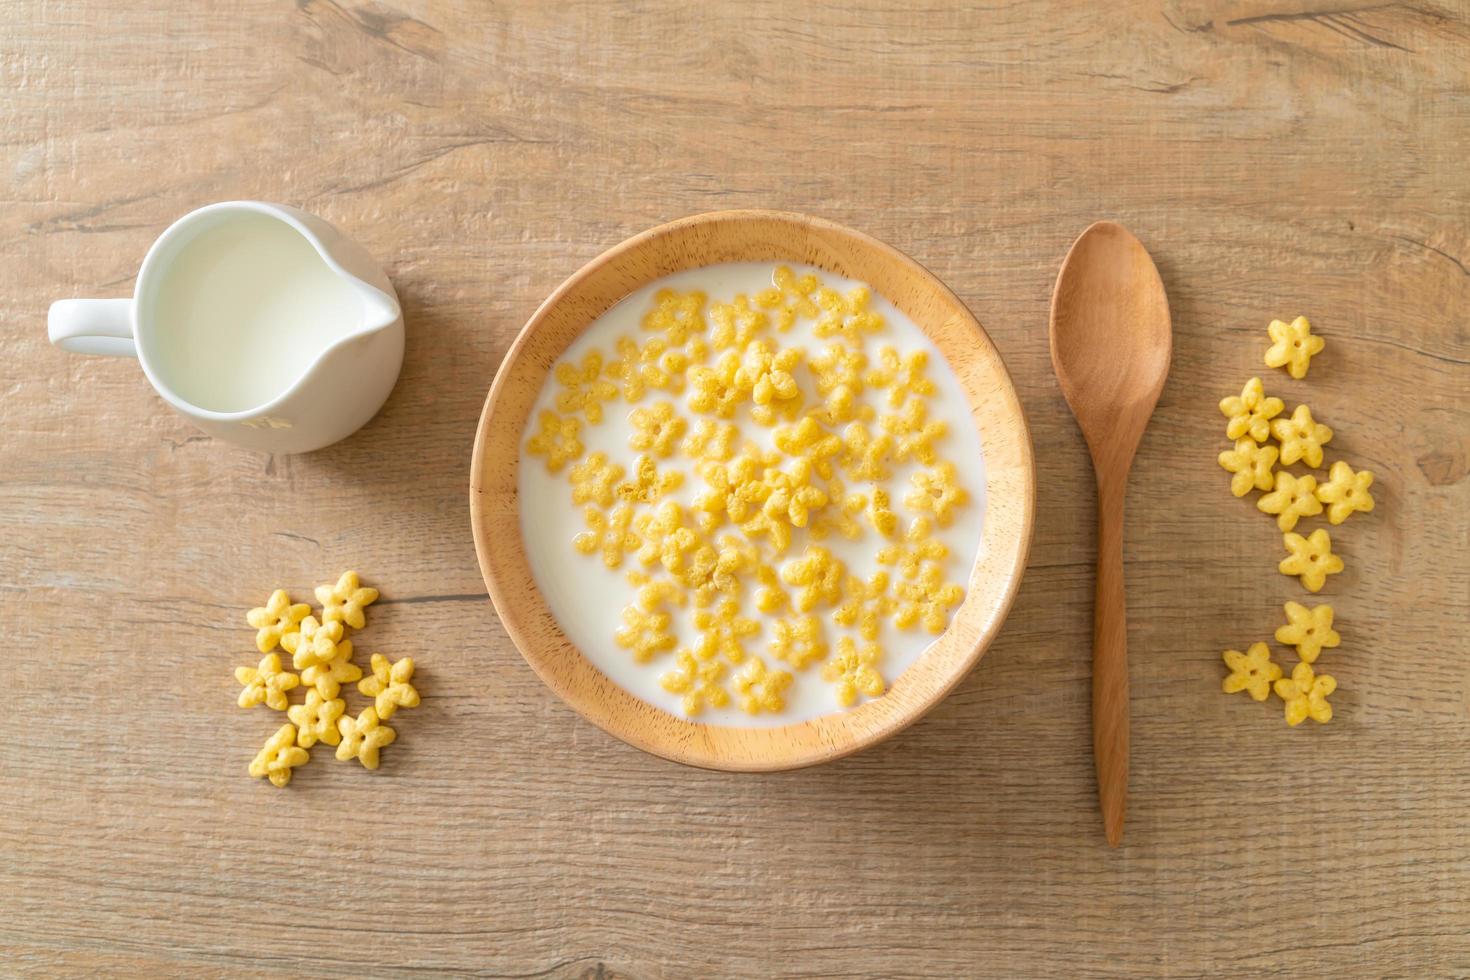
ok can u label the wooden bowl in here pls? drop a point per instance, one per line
(734, 236)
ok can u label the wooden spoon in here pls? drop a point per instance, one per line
(1110, 347)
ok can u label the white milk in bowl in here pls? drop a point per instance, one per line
(244, 310)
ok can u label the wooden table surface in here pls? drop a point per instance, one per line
(1276, 158)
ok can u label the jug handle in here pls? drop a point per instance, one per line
(92, 326)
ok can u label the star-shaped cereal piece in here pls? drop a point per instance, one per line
(920, 545)
(937, 491)
(656, 428)
(714, 570)
(314, 643)
(278, 618)
(595, 480)
(841, 515)
(760, 689)
(390, 686)
(345, 601)
(1311, 559)
(647, 485)
(776, 530)
(839, 373)
(927, 601)
(865, 603)
(1250, 413)
(736, 489)
(666, 537)
(1305, 693)
(1251, 463)
(792, 495)
(558, 440)
(865, 455)
(736, 324)
(279, 756)
(266, 683)
(798, 640)
(809, 439)
(1309, 630)
(1252, 671)
(711, 441)
(768, 375)
(610, 534)
(715, 389)
(790, 297)
(328, 676)
(1346, 492)
(678, 316)
(636, 368)
(853, 671)
(1293, 346)
(723, 632)
(362, 737)
(644, 634)
(901, 375)
(1301, 437)
(698, 682)
(583, 387)
(1293, 498)
(654, 594)
(914, 433)
(316, 719)
(847, 317)
(817, 576)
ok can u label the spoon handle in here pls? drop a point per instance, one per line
(1110, 659)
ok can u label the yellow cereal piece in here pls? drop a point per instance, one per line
(583, 387)
(760, 689)
(790, 297)
(1252, 465)
(1292, 346)
(839, 373)
(927, 600)
(914, 433)
(715, 570)
(1301, 437)
(841, 517)
(1311, 559)
(595, 480)
(345, 601)
(328, 676)
(677, 315)
(1250, 413)
(901, 375)
(699, 682)
(667, 539)
(265, 683)
(1293, 498)
(1305, 693)
(362, 737)
(656, 429)
(1346, 492)
(847, 317)
(390, 686)
(736, 489)
(644, 634)
(278, 618)
(716, 390)
(798, 641)
(865, 456)
(770, 597)
(610, 534)
(776, 530)
(920, 545)
(936, 491)
(808, 438)
(817, 575)
(558, 440)
(314, 643)
(638, 369)
(655, 593)
(711, 441)
(791, 496)
(723, 632)
(316, 719)
(1252, 671)
(865, 603)
(767, 374)
(853, 671)
(880, 514)
(1309, 630)
(736, 324)
(279, 756)
(647, 484)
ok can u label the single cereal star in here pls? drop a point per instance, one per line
(656, 429)
(266, 684)
(1305, 693)
(276, 619)
(609, 533)
(644, 634)
(345, 601)
(901, 375)
(1301, 437)
(1250, 413)
(362, 737)
(715, 390)
(847, 317)
(1311, 559)
(1251, 463)
(761, 689)
(711, 441)
(723, 631)
(914, 433)
(808, 438)
(699, 682)
(792, 495)
(647, 484)
(927, 601)
(558, 440)
(595, 480)
(790, 297)
(936, 491)
(677, 315)
(1309, 630)
(736, 324)
(316, 719)
(818, 577)
(1293, 346)
(279, 756)
(865, 455)
(583, 388)
(768, 375)
(841, 516)
(921, 546)
(1252, 671)
(389, 685)
(839, 373)
(854, 671)
(314, 643)
(1293, 498)
(328, 676)
(1345, 492)
(798, 640)
(865, 603)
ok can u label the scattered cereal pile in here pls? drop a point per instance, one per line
(1256, 418)
(838, 421)
(324, 658)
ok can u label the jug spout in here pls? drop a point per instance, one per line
(379, 309)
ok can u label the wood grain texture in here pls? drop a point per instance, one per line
(1275, 158)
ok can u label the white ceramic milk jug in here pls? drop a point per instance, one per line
(263, 324)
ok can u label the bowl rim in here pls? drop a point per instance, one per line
(594, 696)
